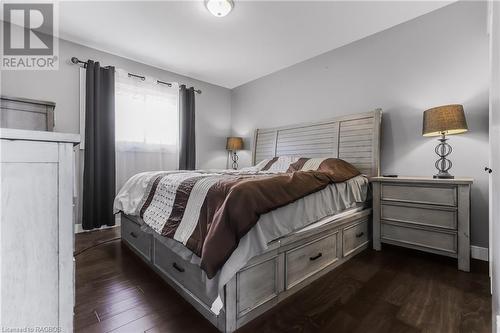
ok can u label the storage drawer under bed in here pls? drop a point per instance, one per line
(184, 273)
(304, 261)
(354, 237)
(258, 284)
(139, 240)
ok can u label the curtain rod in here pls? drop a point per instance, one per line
(77, 61)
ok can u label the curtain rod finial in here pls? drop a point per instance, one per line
(75, 60)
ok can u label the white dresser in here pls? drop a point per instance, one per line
(37, 266)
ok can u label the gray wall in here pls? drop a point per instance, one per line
(436, 59)
(213, 106)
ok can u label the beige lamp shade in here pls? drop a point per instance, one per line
(234, 143)
(447, 119)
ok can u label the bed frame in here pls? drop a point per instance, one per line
(292, 262)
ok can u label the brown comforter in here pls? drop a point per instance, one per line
(211, 212)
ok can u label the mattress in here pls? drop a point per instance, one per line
(335, 201)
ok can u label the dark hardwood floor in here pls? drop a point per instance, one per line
(87, 240)
(395, 290)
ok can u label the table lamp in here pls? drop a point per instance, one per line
(233, 145)
(441, 121)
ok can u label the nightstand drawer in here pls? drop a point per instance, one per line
(443, 218)
(435, 195)
(420, 238)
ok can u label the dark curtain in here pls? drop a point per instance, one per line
(99, 153)
(187, 145)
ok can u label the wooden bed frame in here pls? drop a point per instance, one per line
(292, 262)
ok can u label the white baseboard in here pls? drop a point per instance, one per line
(79, 229)
(480, 253)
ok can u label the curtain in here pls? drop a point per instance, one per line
(147, 126)
(187, 158)
(99, 154)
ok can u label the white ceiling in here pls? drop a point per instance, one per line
(255, 39)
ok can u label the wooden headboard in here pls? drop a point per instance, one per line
(354, 138)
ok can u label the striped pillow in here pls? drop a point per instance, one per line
(281, 163)
(325, 164)
(260, 166)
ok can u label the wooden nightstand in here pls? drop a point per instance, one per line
(427, 214)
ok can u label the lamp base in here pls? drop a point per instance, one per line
(443, 149)
(234, 158)
(443, 175)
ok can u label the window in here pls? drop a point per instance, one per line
(147, 114)
(146, 126)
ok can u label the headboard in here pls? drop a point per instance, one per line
(354, 138)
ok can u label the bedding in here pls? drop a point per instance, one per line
(334, 201)
(209, 212)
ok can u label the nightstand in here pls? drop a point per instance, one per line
(427, 214)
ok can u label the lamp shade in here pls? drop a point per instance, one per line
(447, 119)
(234, 143)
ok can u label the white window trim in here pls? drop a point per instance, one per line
(82, 77)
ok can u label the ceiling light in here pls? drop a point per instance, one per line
(219, 8)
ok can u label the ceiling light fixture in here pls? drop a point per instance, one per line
(219, 8)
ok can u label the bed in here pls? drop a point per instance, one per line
(288, 247)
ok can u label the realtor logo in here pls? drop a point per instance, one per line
(28, 36)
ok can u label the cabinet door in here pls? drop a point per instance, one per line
(31, 275)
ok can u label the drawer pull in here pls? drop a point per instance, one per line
(316, 256)
(133, 234)
(177, 267)
(359, 234)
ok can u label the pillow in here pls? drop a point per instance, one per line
(306, 164)
(256, 167)
(280, 164)
(259, 166)
(328, 165)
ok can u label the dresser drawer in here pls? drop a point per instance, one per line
(184, 273)
(420, 238)
(139, 240)
(418, 215)
(310, 258)
(354, 237)
(436, 195)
